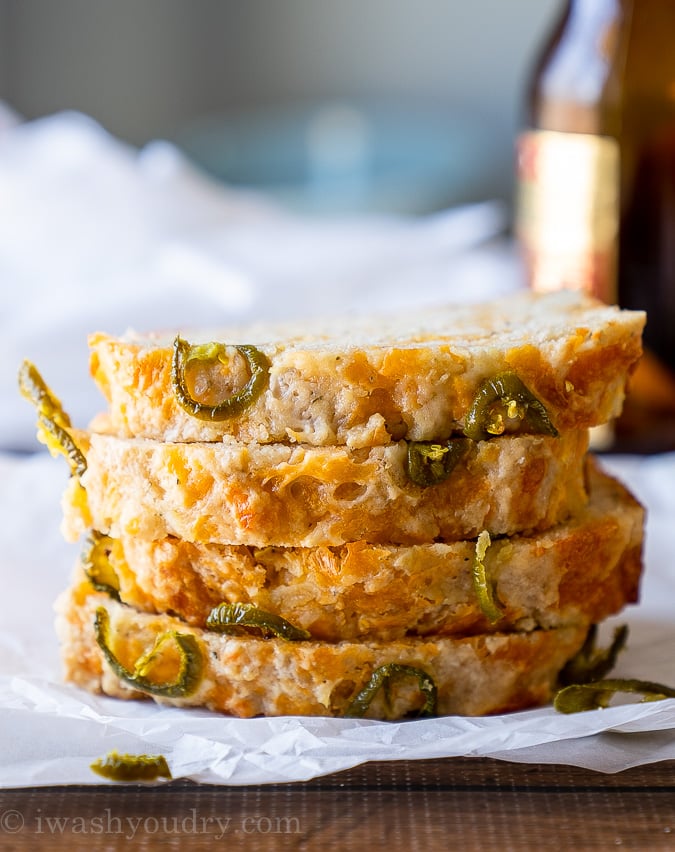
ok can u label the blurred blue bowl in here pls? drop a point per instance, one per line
(346, 156)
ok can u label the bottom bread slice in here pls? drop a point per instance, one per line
(247, 676)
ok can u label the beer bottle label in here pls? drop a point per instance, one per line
(568, 211)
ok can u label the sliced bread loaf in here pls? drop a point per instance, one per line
(363, 382)
(159, 657)
(582, 570)
(300, 496)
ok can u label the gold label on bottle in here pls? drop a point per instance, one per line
(568, 211)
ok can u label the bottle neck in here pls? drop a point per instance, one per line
(579, 79)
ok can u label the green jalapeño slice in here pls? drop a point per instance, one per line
(481, 582)
(97, 566)
(502, 404)
(381, 679)
(189, 669)
(207, 354)
(593, 663)
(132, 767)
(579, 697)
(244, 617)
(428, 463)
(52, 421)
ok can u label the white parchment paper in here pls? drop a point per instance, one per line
(96, 236)
(51, 732)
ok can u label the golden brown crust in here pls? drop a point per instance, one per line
(299, 496)
(582, 570)
(408, 377)
(246, 677)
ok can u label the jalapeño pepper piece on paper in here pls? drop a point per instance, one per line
(132, 767)
(597, 695)
(592, 663)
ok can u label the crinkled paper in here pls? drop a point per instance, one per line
(51, 731)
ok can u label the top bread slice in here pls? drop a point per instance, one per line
(365, 382)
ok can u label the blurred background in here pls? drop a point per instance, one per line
(386, 105)
(351, 156)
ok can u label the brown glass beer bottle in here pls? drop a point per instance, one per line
(596, 183)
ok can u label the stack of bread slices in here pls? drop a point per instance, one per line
(379, 517)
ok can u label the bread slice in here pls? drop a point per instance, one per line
(246, 676)
(582, 570)
(370, 381)
(300, 496)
